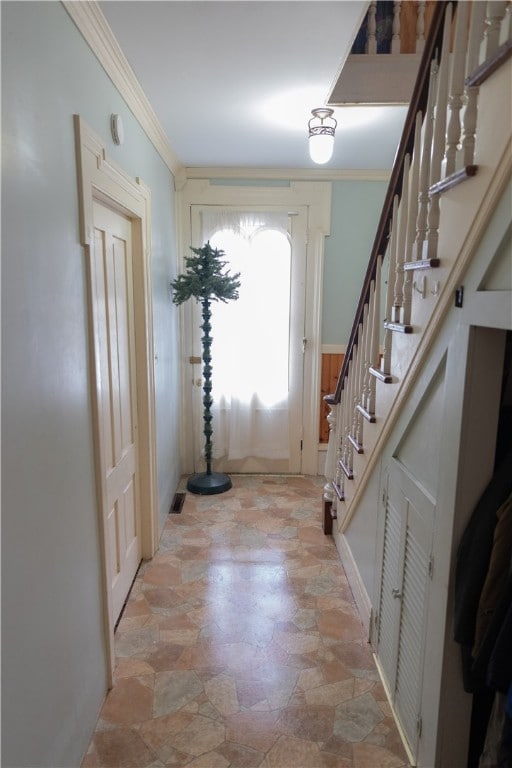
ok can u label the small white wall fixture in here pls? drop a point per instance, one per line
(101, 180)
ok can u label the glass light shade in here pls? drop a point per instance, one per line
(321, 135)
(320, 148)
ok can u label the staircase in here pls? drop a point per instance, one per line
(450, 175)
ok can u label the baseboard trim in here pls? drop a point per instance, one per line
(355, 582)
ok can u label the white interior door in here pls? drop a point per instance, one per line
(256, 449)
(112, 294)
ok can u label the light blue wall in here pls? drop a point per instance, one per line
(53, 654)
(356, 208)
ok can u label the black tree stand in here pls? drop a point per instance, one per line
(208, 482)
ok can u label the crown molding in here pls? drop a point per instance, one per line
(96, 31)
(289, 174)
(92, 24)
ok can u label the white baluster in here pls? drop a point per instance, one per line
(506, 24)
(395, 40)
(340, 421)
(386, 356)
(330, 456)
(357, 432)
(453, 134)
(420, 27)
(371, 42)
(495, 13)
(403, 211)
(375, 336)
(476, 32)
(424, 196)
(390, 312)
(411, 220)
(367, 340)
(438, 147)
(348, 454)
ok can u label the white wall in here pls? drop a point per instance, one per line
(53, 677)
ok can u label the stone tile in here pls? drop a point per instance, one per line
(161, 598)
(241, 646)
(250, 692)
(370, 755)
(136, 641)
(122, 748)
(157, 731)
(199, 736)
(256, 730)
(314, 723)
(175, 689)
(331, 694)
(339, 626)
(128, 702)
(163, 575)
(290, 752)
(131, 667)
(239, 756)
(210, 760)
(356, 718)
(163, 656)
(136, 606)
(310, 678)
(222, 693)
(297, 642)
(334, 671)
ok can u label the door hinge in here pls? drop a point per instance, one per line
(419, 726)
(304, 344)
(431, 566)
(301, 444)
(384, 498)
(194, 360)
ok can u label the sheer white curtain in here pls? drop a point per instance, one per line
(251, 335)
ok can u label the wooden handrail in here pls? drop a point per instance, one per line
(418, 103)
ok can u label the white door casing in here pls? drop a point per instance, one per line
(296, 352)
(316, 197)
(100, 180)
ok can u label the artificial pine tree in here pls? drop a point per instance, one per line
(205, 280)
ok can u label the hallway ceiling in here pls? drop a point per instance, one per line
(233, 83)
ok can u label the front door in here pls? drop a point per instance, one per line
(258, 341)
(112, 295)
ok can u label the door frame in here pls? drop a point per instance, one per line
(101, 180)
(316, 197)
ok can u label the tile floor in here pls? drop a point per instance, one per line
(240, 645)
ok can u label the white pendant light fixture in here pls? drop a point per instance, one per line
(321, 135)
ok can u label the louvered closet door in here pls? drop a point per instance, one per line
(391, 579)
(406, 571)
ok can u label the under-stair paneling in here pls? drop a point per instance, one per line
(499, 275)
(418, 449)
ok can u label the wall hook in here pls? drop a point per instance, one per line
(420, 286)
